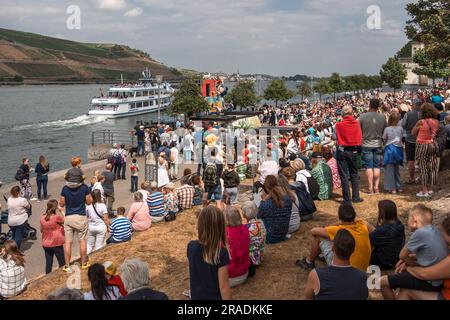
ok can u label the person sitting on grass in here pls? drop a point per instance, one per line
(323, 237)
(170, 199)
(199, 189)
(100, 290)
(338, 281)
(388, 237)
(439, 271)
(322, 173)
(12, 270)
(155, 203)
(239, 246)
(136, 280)
(257, 232)
(138, 214)
(275, 210)
(208, 258)
(294, 223)
(120, 228)
(425, 248)
(113, 278)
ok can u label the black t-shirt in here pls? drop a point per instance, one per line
(145, 294)
(387, 241)
(204, 277)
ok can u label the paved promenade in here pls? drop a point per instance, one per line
(34, 254)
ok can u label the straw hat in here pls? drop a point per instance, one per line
(110, 268)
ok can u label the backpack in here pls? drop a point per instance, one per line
(117, 159)
(306, 204)
(313, 186)
(210, 175)
(20, 175)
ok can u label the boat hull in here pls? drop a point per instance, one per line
(130, 113)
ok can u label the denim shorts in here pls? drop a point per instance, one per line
(372, 157)
(214, 192)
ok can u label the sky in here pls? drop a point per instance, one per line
(276, 37)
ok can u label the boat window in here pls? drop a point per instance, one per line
(145, 93)
(132, 105)
(138, 93)
(146, 104)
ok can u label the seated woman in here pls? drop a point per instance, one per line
(439, 271)
(275, 210)
(321, 172)
(239, 245)
(100, 290)
(257, 232)
(388, 237)
(139, 214)
(294, 223)
(12, 271)
(332, 163)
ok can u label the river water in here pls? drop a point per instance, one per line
(51, 121)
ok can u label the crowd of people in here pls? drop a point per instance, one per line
(321, 155)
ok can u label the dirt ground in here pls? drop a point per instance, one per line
(164, 248)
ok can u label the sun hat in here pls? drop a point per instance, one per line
(110, 268)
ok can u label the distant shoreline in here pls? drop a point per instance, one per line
(43, 83)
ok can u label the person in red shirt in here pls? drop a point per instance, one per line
(349, 140)
(113, 279)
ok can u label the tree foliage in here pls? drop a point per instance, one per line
(393, 73)
(431, 67)
(430, 24)
(277, 91)
(188, 99)
(322, 87)
(243, 95)
(304, 89)
(336, 84)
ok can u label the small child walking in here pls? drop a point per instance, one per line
(134, 169)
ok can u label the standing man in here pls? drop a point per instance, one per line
(108, 187)
(349, 139)
(140, 134)
(75, 222)
(408, 123)
(372, 125)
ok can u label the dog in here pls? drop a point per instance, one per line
(132, 151)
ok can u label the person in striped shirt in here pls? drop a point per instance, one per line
(155, 203)
(120, 228)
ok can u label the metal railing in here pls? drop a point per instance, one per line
(113, 136)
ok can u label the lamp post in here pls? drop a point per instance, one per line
(159, 81)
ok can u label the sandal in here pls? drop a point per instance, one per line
(366, 190)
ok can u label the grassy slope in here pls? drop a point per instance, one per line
(71, 57)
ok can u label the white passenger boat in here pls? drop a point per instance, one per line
(129, 99)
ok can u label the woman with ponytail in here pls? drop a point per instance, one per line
(52, 228)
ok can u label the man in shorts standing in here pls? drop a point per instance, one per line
(75, 223)
(372, 125)
(408, 123)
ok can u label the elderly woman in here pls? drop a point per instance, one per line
(18, 214)
(135, 277)
(139, 213)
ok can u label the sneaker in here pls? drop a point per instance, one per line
(67, 269)
(187, 293)
(423, 195)
(33, 199)
(305, 264)
(288, 236)
(85, 266)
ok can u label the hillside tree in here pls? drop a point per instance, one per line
(393, 73)
(277, 91)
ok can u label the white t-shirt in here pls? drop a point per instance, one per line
(302, 176)
(144, 194)
(93, 218)
(98, 186)
(113, 294)
(17, 208)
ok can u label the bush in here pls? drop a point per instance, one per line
(18, 78)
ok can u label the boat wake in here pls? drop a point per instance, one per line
(80, 121)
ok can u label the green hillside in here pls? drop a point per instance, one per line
(41, 58)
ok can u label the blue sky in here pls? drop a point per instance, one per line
(285, 37)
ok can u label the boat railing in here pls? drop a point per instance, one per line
(112, 137)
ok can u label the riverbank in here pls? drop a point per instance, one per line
(164, 248)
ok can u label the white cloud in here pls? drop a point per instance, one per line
(112, 5)
(135, 12)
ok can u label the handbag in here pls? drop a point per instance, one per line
(435, 143)
(171, 216)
